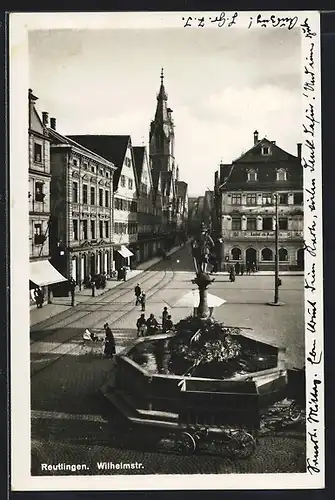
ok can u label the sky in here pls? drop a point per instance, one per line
(221, 84)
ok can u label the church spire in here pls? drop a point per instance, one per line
(162, 95)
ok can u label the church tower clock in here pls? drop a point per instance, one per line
(161, 138)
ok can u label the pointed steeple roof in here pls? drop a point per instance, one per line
(161, 109)
(162, 95)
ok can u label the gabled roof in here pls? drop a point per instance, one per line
(139, 154)
(265, 164)
(258, 145)
(111, 147)
(57, 138)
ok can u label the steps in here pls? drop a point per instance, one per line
(125, 404)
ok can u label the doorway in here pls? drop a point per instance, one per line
(250, 256)
(301, 259)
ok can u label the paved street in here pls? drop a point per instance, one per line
(72, 423)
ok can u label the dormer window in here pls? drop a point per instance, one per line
(252, 176)
(281, 175)
(266, 150)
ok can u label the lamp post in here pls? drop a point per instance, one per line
(277, 279)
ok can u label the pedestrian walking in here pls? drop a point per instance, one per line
(232, 274)
(253, 267)
(141, 325)
(248, 268)
(242, 269)
(38, 296)
(72, 287)
(168, 325)
(165, 314)
(142, 301)
(109, 341)
(237, 268)
(138, 292)
(124, 273)
(152, 325)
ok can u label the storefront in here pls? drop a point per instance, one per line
(43, 275)
(122, 257)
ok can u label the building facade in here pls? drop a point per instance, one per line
(81, 238)
(39, 184)
(42, 274)
(245, 205)
(149, 210)
(117, 149)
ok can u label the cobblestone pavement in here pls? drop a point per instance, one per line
(72, 423)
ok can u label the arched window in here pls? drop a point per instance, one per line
(283, 254)
(267, 254)
(236, 254)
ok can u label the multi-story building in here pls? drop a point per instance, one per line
(42, 272)
(81, 209)
(117, 149)
(245, 203)
(149, 210)
(161, 152)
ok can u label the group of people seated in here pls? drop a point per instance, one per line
(150, 326)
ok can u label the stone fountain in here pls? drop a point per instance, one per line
(203, 372)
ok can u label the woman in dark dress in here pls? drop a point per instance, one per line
(109, 341)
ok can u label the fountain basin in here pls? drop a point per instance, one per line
(150, 387)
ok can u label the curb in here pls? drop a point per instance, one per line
(140, 271)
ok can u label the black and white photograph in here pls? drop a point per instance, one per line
(166, 235)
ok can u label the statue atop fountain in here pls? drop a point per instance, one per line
(202, 244)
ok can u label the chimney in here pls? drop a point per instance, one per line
(255, 137)
(299, 150)
(45, 118)
(53, 123)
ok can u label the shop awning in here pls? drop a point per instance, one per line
(43, 273)
(125, 252)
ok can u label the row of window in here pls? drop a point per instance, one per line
(267, 223)
(266, 254)
(125, 228)
(103, 228)
(267, 199)
(103, 198)
(281, 175)
(123, 180)
(103, 172)
(126, 205)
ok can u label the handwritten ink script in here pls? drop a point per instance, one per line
(273, 21)
(219, 21)
(231, 19)
(309, 163)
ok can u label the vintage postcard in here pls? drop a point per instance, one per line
(166, 251)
